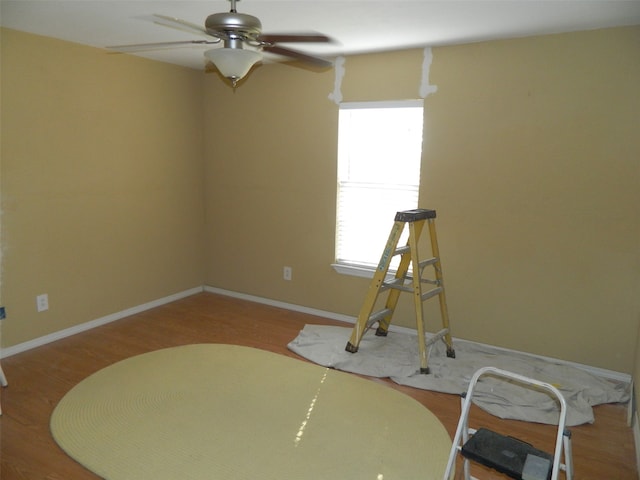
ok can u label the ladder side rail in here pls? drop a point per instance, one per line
(466, 432)
(415, 228)
(374, 287)
(568, 455)
(400, 276)
(444, 311)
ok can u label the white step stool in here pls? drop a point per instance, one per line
(508, 455)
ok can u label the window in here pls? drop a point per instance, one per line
(379, 153)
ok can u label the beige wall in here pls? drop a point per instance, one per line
(542, 147)
(531, 159)
(101, 183)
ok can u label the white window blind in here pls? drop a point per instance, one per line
(379, 153)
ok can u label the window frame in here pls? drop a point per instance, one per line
(353, 268)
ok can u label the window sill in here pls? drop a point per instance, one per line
(361, 270)
(354, 270)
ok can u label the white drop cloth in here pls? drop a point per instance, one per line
(396, 356)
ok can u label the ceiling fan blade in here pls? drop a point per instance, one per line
(179, 24)
(292, 37)
(139, 47)
(287, 52)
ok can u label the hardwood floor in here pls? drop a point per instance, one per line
(39, 378)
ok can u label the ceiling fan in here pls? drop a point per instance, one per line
(242, 39)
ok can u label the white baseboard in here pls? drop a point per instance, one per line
(52, 337)
(283, 305)
(600, 372)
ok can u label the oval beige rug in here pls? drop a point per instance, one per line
(213, 411)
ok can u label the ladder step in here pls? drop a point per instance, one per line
(377, 316)
(428, 261)
(407, 249)
(398, 284)
(508, 455)
(437, 336)
(431, 293)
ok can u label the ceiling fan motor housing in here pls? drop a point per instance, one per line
(233, 24)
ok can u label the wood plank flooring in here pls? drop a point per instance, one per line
(39, 378)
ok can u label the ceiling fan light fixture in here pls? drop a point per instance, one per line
(233, 63)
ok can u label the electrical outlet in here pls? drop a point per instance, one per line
(42, 302)
(286, 273)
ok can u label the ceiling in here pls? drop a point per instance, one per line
(358, 26)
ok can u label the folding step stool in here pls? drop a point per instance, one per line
(409, 257)
(509, 455)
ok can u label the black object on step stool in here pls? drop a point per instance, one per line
(508, 455)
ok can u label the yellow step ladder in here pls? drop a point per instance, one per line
(405, 281)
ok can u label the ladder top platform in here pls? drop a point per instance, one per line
(415, 215)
